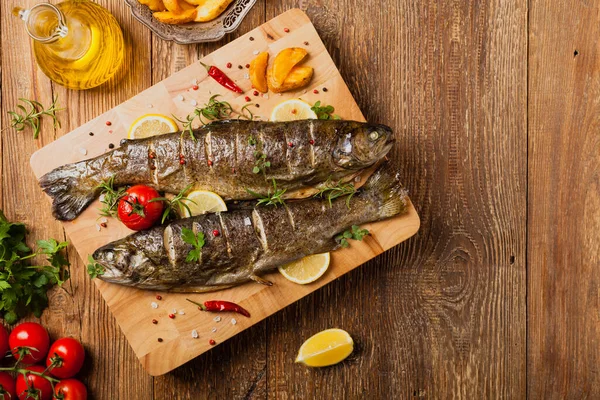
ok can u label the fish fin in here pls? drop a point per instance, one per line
(69, 195)
(260, 280)
(199, 289)
(385, 182)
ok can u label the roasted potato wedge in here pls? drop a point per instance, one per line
(285, 61)
(258, 72)
(154, 5)
(173, 6)
(195, 2)
(297, 78)
(168, 17)
(211, 9)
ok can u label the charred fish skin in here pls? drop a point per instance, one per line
(252, 241)
(221, 157)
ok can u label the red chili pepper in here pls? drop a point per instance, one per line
(220, 305)
(220, 77)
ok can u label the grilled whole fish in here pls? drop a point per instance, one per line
(250, 242)
(226, 157)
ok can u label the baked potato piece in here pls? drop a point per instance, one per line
(169, 17)
(211, 9)
(258, 72)
(296, 79)
(154, 5)
(177, 6)
(285, 61)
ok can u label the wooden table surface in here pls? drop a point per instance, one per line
(496, 108)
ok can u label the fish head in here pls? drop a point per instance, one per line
(122, 264)
(362, 145)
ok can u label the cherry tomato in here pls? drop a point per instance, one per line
(70, 389)
(3, 341)
(135, 209)
(66, 355)
(31, 338)
(39, 388)
(7, 387)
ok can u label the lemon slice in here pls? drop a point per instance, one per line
(150, 125)
(326, 348)
(292, 110)
(307, 269)
(202, 202)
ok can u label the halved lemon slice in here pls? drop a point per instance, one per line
(326, 348)
(202, 202)
(151, 125)
(307, 269)
(292, 110)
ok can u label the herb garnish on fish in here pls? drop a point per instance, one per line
(110, 197)
(331, 192)
(270, 199)
(324, 112)
(94, 269)
(179, 201)
(196, 240)
(355, 233)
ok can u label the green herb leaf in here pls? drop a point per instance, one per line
(110, 197)
(332, 191)
(196, 240)
(270, 199)
(32, 116)
(94, 269)
(355, 232)
(324, 112)
(176, 205)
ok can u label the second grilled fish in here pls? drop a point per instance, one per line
(227, 157)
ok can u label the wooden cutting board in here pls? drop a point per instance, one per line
(131, 307)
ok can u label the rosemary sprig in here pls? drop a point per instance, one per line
(177, 202)
(332, 192)
(324, 112)
(110, 197)
(214, 110)
(33, 116)
(245, 113)
(270, 199)
(354, 233)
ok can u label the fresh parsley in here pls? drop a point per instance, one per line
(332, 191)
(24, 285)
(324, 112)
(110, 197)
(196, 240)
(94, 269)
(270, 199)
(354, 233)
(261, 163)
(33, 116)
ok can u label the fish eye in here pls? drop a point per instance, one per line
(374, 135)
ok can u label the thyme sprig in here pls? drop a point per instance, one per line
(270, 199)
(331, 192)
(261, 163)
(110, 197)
(178, 202)
(32, 116)
(324, 112)
(354, 233)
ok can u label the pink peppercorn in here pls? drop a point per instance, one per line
(216, 233)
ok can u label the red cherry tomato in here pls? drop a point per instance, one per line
(135, 209)
(71, 389)
(7, 387)
(39, 388)
(31, 338)
(65, 358)
(3, 341)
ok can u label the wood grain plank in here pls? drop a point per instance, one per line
(564, 200)
(443, 314)
(240, 361)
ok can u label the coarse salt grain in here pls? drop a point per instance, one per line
(154, 304)
(103, 220)
(213, 330)
(217, 319)
(83, 151)
(195, 334)
(149, 105)
(174, 311)
(265, 96)
(180, 97)
(233, 321)
(102, 197)
(194, 102)
(255, 52)
(246, 76)
(194, 81)
(247, 221)
(181, 312)
(98, 227)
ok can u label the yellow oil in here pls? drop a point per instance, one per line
(90, 53)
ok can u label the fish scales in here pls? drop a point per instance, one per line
(222, 157)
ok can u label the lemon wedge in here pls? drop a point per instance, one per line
(292, 110)
(307, 269)
(202, 202)
(151, 125)
(326, 348)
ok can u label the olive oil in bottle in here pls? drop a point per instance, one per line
(77, 43)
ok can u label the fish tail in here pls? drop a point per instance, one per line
(69, 192)
(385, 184)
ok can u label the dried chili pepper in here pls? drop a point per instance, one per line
(220, 305)
(220, 77)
